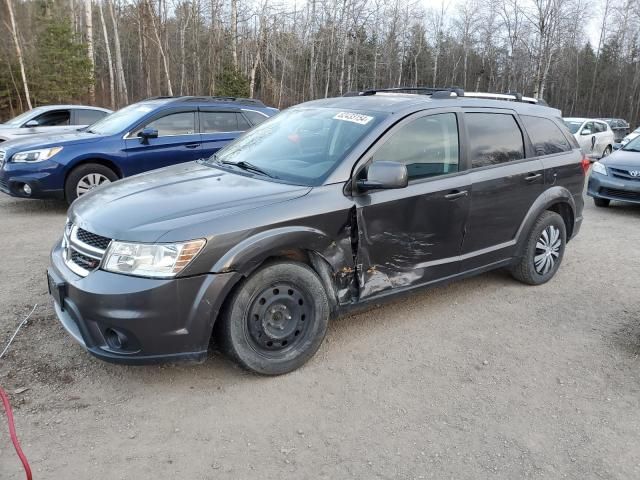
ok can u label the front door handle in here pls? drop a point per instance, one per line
(532, 177)
(192, 145)
(456, 194)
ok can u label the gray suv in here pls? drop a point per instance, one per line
(331, 205)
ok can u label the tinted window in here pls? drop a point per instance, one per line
(573, 125)
(54, 118)
(243, 123)
(545, 136)
(87, 117)
(494, 138)
(588, 127)
(428, 146)
(183, 123)
(599, 127)
(212, 122)
(254, 117)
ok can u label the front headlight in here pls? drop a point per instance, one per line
(161, 260)
(599, 168)
(36, 155)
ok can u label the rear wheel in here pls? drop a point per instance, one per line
(85, 178)
(276, 320)
(601, 202)
(544, 250)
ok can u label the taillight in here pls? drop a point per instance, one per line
(585, 163)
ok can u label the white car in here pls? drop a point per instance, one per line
(631, 136)
(594, 136)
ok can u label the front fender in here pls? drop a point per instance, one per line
(248, 254)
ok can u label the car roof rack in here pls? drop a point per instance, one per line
(183, 98)
(450, 92)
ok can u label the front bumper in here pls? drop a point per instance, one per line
(45, 179)
(611, 188)
(124, 319)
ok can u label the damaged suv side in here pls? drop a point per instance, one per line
(328, 206)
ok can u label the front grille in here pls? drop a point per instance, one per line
(621, 194)
(92, 239)
(625, 174)
(83, 250)
(83, 261)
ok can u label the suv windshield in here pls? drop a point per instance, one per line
(121, 120)
(573, 125)
(300, 145)
(23, 117)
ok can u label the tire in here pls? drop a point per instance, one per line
(276, 320)
(84, 175)
(536, 266)
(607, 151)
(601, 202)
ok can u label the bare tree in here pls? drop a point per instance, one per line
(14, 35)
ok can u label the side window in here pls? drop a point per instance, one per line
(494, 138)
(545, 136)
(183, 123)
(87, 117)
(254, 117)
(215, 122)
(428, 146)
(588, 126)
(243, 124)
(54, 118)
(601, 127)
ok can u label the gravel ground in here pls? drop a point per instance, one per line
(484, 378)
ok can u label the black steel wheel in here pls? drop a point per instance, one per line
(276, 319)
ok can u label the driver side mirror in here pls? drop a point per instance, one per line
(616, 146)
(31, 124)
(146, 133)
(585, 131)
(384, 175)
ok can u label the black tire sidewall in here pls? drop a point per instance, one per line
(237, 336)
(550, 218)
(80, 171)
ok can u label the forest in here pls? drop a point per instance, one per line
(581, 56)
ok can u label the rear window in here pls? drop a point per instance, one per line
(545, 135)
(494, 138)
(255, 118)
(87, 117)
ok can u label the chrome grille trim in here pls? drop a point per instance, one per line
(72, 244)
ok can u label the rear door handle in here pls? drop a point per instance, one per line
(192, 145)
(533, 177)
(456, 194)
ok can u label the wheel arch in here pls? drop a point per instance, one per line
(556, 199)
(110, 164)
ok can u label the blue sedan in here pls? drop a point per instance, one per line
(151, 134)
(617, 177)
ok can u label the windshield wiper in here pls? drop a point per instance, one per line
(245, 166)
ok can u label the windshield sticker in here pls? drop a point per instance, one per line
(353, 117)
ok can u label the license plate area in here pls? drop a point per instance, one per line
(57, 288)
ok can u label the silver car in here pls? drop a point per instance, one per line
(51, 119)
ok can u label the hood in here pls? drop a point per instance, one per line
(145, 207)
(32, 142)
(7, 131)
(622, 158)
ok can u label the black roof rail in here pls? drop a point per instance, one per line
(417, 90)
(189, 98)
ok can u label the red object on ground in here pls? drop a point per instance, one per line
(12, 433)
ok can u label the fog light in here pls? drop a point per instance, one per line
(26, 189)
(115, 339)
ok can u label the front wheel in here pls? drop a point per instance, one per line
(607, 151)
(85, 178)
(276, 320)
(544, 250)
